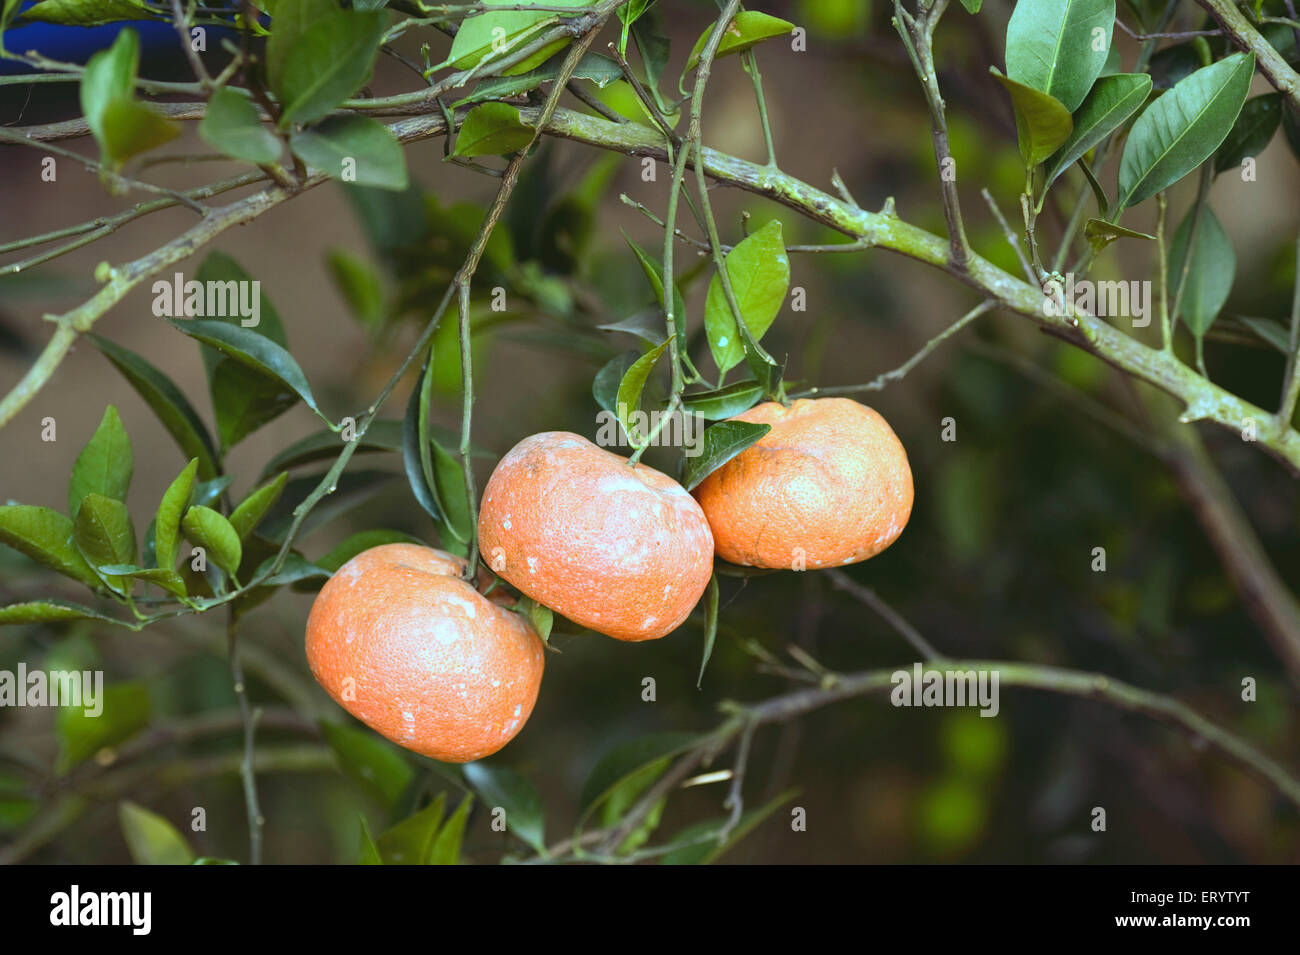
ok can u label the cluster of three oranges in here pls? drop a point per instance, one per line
(403, 639)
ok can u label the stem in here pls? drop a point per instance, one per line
(1244, 35)
(249, 721)
(1166, 329)
(1291, 383)
(879, 383)
(918, 38)
(750, 62)
(467, 411)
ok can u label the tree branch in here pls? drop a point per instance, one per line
(1243, 33)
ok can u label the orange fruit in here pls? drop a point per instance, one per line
(828, 485)
(402, 642)
(621, 549)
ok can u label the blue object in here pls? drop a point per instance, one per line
(70, 44)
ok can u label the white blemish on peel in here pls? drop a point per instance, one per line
(532, 565)
(506, 523)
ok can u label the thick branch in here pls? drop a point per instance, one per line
(1243, 34)
(1204, 399)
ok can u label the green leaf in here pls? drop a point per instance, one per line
(354, 148)
(726, 402)
(85, 13)
(369, 760)
(209, 530)
(326, 445)
(167, 523)
(503, 31)
(539, 616)
(647, 325)
(698, 844)
(1209, 277)
(445, 849)
(1042, 121)
(243, 398)
(327, 62)
(1183, 128)
(593, 67)
(411, 840)
(130, 128)
(168, 580)
(625, 795)
(109, 74)
(655, 276)
(343, 552)
(206, 492)
(1251, 133)
(361, 288)
(369, 851)
(253, 508)
(722, 442)
(120, 712)
(50, 611)
(1052, 46)
(296, 569)
(416, 453)
(492, 129)
(972, 6)
(252, 350)
(151, 838)
(104, 465)
(630, 388)
(289, 21)
(233, 126)
(209, 860)
(105, 536)
(1101, 233)
(747, 30)
(759, 270)
(1112, 101)
(168, 403)
(1270, 332)
(352, 488)
(503, 788)
(604, 387)
(624, 761)
(46, 536)
(710, 626)
(250, 512)
(453, 496)
(628, 14)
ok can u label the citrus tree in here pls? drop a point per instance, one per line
(1123, 119)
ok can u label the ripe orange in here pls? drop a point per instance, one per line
(621, 549)
(828, 485)
(408, 647)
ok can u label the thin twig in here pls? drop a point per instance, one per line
(1012, 239)
(863, 594)
(249, 721)
(880, 381)
(181, 21)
